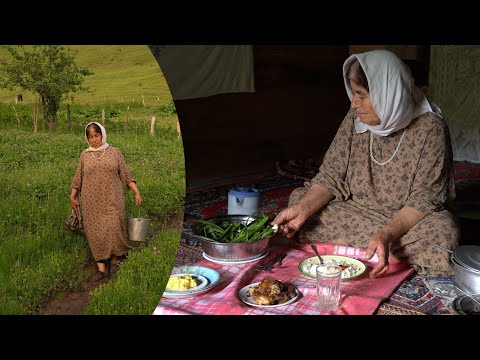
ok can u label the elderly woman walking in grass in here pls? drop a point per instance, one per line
(100, 180)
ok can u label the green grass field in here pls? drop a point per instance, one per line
(40, 259)
(122, 74)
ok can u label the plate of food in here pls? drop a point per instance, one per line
(189, 281)
(268, 293)
(186, 282)
(352, 268)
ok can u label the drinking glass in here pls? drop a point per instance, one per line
(328, 286)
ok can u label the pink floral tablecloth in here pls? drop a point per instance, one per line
(359, 296)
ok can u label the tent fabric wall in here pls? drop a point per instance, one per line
(455, 87)
(197, 71)
(294, 113)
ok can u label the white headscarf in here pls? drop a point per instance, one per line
(395, 98)
(104, 138)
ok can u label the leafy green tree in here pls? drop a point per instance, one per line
(47, 70)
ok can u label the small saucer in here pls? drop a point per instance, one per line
(233, 262)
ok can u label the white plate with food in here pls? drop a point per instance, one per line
(251, 295)
(352, 268)
(205, 278)
(179, 283)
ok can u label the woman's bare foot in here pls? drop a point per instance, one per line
(101, 267)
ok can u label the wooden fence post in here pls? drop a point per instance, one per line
(103, 117)
(126, 118)
(158, 99)
(152, 126)
(179, 133)
(18, 119)
(35, 114)
(69, 118)
(143, 101)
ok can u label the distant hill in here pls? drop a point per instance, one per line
(122, 74)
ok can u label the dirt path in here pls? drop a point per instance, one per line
(74, 303)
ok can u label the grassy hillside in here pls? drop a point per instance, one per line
(122, 74)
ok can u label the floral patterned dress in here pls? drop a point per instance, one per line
(368, 195)
(101, 179)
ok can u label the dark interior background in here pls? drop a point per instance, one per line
(294, 113)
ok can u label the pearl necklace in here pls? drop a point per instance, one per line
(93, 154)
(395, 153)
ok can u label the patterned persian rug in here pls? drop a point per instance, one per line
(420, 295)
(415, 296)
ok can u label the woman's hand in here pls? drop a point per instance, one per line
(379, 244)
(138, 198)
(74, 202)
(291, 219)
(73, 198)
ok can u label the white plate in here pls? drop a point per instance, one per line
(227, 262)
(350, 261)
(201, 283)
(242, 294)
(212, 276)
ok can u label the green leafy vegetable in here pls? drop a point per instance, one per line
(236, 232)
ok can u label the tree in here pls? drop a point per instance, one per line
(47, 70)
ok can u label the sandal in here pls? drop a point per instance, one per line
(113, 268)
(99, 275)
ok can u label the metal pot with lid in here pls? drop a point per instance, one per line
(467, 305)
(467, 256)
(466, 261)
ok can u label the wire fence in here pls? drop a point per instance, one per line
(94, 100)
(70, 116)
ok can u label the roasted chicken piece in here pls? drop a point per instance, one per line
(271, 292)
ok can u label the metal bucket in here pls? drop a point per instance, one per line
(138, 228)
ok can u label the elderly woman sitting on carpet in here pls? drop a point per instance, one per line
(387, 175)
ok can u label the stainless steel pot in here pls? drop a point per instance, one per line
(466, 262)
(467, 305)
(466, 279)
(231, 251)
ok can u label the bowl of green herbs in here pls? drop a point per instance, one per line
(234, 237)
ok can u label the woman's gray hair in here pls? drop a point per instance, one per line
(356, 73)
(95, 126)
